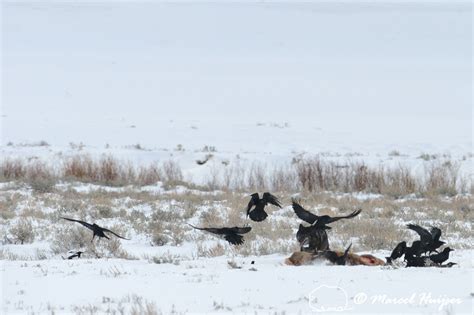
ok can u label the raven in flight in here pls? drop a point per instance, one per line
(97, 230)
(335, 258)
(315, 234)
(429, 239)
(256, 206)
(319, 221)
(230, 234)
(397, 252)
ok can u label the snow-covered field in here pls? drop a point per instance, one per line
(196, 273)
(210, 286)
(254, 84)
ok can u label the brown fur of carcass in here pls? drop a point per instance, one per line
(304, 258)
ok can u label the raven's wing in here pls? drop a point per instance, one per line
(304, 214)
(399, 250)
(234, 239)
(107, 230)
(425, 236)
(253, 202)
(240, 230)
(347, 250)
(218, 231)
(436, 233)
(230, 234)
(271, 199)
(87, 225)
(349, 216)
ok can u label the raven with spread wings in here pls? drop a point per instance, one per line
(315, 234)
(256, 206)
(429, 239)
(97, 230)
(319, 221)
(230, 234)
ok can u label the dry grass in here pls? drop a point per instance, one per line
(161, 217)
(109, 171)
(313, 174)
(22, 232)
(316, 175)
(211, 251)
(66, 237)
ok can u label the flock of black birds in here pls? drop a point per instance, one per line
(419, 254)
(313, 238)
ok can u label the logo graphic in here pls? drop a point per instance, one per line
(329, 299)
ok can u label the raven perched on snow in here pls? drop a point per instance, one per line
(256, 206)
(230, 234)
(441, 257)
(431, 261)
(74, 254)
(315, 234)
(429, 239)
(97, 230)
(397, 252)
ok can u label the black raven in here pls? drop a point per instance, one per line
(256, 206)
(319, 221)
(204, 161)
(76, 254)
(431, 261)
(97, 230)
(441, 257)
(312, 239)
(335, 258)
(397, 252)
(429, 239)
(230, 234)
(415, 250)
(415, 261)
(315, 235)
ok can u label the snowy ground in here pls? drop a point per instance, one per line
(191, 272)
(255, 82)
(210, 286)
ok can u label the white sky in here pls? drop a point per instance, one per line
(401, 72)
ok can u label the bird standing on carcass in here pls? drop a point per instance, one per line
(314, 237)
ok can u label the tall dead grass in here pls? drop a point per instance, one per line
(314, 174)
(317, 175)
(105, 170)
(109, 171)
